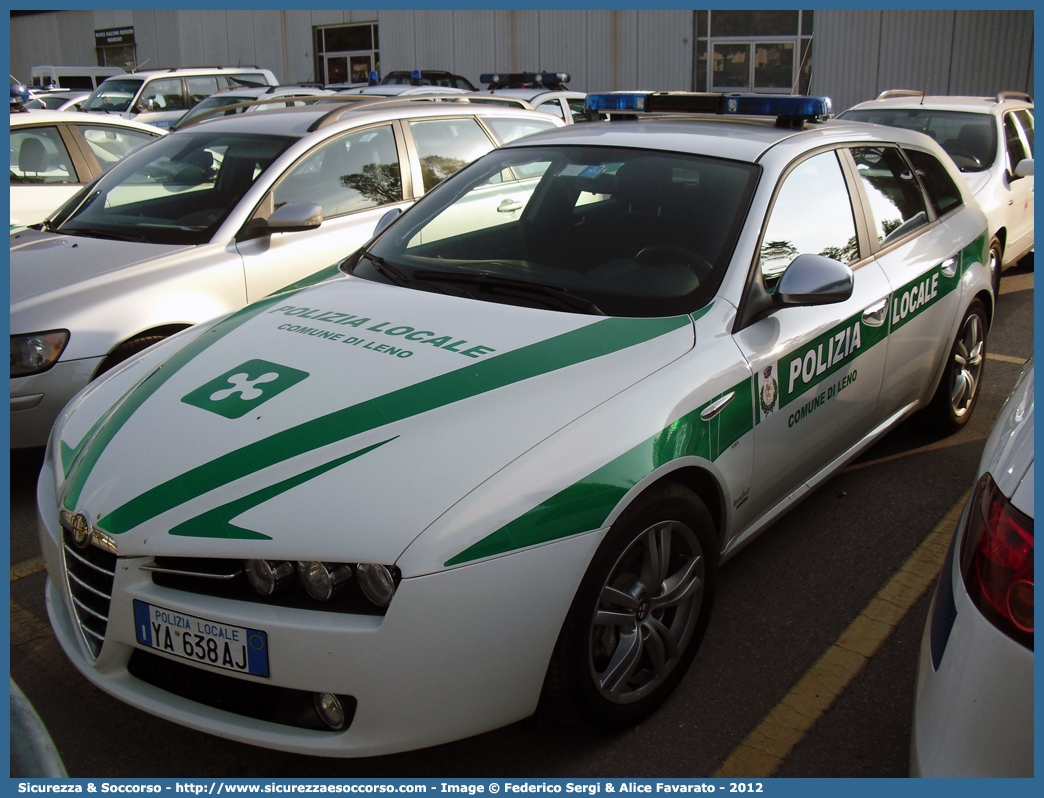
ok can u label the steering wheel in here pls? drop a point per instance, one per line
(665, 254)
(964, 154)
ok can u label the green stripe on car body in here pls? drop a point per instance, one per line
(593, 340)
(217, 523)
(133, 399)
(585, 505)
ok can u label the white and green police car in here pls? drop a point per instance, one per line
(499, 460)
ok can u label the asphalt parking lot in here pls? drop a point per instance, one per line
(783, 602)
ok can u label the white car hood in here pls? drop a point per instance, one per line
(42, 263)
(977, 181)
(337, 422)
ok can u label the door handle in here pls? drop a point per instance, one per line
(509, 206)
(949, 267)
(715, 407)
(875, 315)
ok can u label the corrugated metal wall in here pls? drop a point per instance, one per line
(857, 54)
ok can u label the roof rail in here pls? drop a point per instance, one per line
(899, 93)
(1013, 95)
(288, 101)
(351, 102)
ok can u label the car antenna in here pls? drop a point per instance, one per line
(139, 66)
(797, 80)
(923, 93)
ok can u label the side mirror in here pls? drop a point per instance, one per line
(145, 106)
(808, 280)
(294, 217)
(1024, 168)
(386, 221)
(814, 280)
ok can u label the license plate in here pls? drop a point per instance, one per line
(232, 648)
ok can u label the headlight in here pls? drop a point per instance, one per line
(323, 581)
(268, 576)
(36, 352)
(377, 583)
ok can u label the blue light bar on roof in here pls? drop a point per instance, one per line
(767, 105)
(787, 107)
(373, 79)
(415, 77)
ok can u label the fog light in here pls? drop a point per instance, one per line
(330, 710)
(267, 576)
(377, 583)
(323, 580)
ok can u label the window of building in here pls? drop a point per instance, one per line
(115, 47)
(766, 52)
(346, 53)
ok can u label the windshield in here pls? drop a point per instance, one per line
(970, 139)
(177, 190)
(114, 94)
(628, 232)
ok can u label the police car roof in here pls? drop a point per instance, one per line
(529, 94)
(734, 138)
(297, 121)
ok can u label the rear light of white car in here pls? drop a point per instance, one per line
(997, 562)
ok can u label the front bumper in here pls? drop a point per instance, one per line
(459, 652)
(37, 400)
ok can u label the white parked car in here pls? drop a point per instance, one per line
(161, 96)
(55, 153)
(500, 459)
(973, 714)
(544, 91)
(220, 214)
(991, 141)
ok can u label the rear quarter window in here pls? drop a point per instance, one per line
(942, 192)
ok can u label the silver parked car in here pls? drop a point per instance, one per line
(218, 215)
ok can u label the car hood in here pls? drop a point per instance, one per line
(977, 181)
(43, 263)
(337, 422)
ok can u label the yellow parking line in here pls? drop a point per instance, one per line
(946, 443)
(27, 568)
(764, 750)
(1018, 361)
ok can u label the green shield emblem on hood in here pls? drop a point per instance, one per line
(238, 391)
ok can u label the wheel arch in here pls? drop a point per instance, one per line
(162, 330)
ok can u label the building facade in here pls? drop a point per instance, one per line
(850, 56)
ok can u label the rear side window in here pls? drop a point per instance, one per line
(39, 156)
(896, 203)
(942, 191)
(112, 144)
(446, 145)
(812, 214)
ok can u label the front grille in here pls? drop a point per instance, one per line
(256, 700)
(89, 571)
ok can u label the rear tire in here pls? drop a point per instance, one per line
(958, 391)
(639, 615)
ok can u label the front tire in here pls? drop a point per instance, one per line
(639, 615)
(994, 264)
(958, 391)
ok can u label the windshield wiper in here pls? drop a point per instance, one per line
(400, 278)
(94, 232)
(505, 286)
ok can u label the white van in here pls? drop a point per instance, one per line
(161, 96)
(85, 78)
